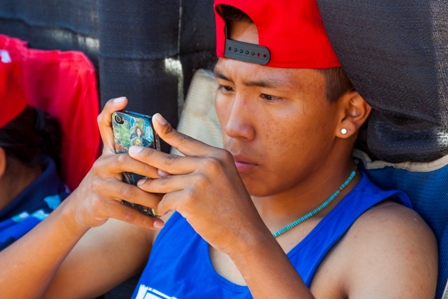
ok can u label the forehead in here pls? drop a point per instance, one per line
(254, 75)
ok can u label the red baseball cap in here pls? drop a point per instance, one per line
(12, 98)
(291, 34)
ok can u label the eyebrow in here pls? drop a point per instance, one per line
(220, 75)
(266, 83)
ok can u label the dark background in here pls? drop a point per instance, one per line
(144, 50)
(396, 55)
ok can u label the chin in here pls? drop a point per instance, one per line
(258, 189)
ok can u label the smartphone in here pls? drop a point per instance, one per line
(132, 128)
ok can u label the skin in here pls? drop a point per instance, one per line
(284, 155)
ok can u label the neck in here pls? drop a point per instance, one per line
(280, 209)
(16, 178)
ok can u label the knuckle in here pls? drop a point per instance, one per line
(170, 159)
(102, 119)
(128, 192)
(99, 118)
(121, 160)
(181, 138)
(212, 164)
(167, 129)
(146, 153)
(189, 195)
(94, 185)
(95, 168)
(96, 204)
(202, 181)
(226, 156)
(98, 163)
(129, 215)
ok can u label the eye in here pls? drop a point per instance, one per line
(225, 88)
(269, 98)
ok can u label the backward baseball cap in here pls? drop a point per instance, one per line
(291, 34)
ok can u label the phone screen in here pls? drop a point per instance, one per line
(131, 128)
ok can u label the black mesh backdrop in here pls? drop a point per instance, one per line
(396, 54)
(197, 40)
(52, 24)
(137, 37)
(150, 49)
(146, 50)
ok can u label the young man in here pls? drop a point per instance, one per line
(285, 183)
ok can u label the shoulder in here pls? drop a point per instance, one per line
(390, 218)
(393, 249)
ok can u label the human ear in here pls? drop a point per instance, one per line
(354, 111)
(2, 162)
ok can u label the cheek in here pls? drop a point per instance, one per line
(295, 137)
(283, 128)
(276, 134)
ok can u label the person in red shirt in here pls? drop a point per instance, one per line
(30, 144)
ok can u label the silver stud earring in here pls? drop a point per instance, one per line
(344, 131)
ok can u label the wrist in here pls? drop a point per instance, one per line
(251, 244)
(68, 219)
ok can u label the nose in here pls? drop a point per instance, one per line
(240, 116)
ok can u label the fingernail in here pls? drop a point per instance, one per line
(159, 118)
(119, 100)
(162, 173)
(159, 223)
(133, 150)
(142, 181)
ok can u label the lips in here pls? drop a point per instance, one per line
(243, 164)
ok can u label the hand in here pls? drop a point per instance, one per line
(204, 186)
(99, 195)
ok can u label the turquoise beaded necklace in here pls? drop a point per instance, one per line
(316, 210)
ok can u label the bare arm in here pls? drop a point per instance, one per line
(393, 255)
(30, 264)
(103, 258)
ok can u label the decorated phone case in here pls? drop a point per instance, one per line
(131, 128)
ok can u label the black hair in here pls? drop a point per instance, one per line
(31, 136)
(232, 14)
(336, 81)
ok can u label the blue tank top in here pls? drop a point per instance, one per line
(180, 265)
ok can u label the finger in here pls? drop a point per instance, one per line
(119, 163)
(169, 184)
(170, 202)
(168, 163)
(105, 121)
(183, 143)
(130, 215)
(119, 191)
